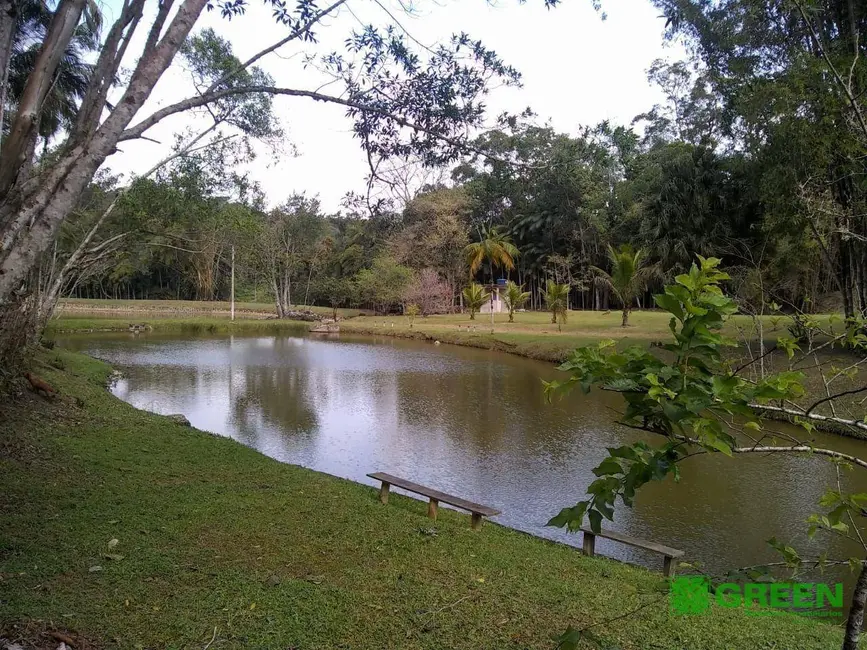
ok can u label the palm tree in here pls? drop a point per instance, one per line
(515, 297)
(474, 297)
(497, 250)
(628, 277)
(556, 299)
(70, 82)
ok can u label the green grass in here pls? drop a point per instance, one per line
(533, 335)
(201, 307)
(222, 544)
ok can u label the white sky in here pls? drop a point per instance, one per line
(577, 70)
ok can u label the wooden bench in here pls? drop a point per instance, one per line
(667, 552)
(478, 511)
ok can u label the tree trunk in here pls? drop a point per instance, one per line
(625, 320)
(63, 24)
(278, 303)
(30, 219)
(8, 19)
(856, 612)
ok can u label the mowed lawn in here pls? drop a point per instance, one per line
(531, 334)
(120, 528)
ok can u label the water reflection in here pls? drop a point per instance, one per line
(466, 421)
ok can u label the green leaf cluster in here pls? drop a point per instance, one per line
(687, 394)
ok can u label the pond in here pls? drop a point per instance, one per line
(470, 422)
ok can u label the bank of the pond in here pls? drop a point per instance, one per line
(175, 324)
(124, 529)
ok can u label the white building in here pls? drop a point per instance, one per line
(498, 305)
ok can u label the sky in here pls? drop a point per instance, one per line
(577, 68)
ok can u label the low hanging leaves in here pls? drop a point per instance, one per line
(687, 398)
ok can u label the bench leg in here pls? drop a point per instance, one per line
(383, 492)
(668, 567)
(476, 521)
(432, 509)
(589, 544)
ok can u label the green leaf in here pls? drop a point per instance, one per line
(595, 518)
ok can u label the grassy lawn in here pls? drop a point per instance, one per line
(533, 335)
(220, 546)
(183, 324)
(220, 308)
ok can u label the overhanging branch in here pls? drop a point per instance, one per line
(209, 97)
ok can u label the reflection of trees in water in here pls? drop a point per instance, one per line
(494, 407)
(279, 396)
(162, 385)
(740, 503)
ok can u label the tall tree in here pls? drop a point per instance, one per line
(495, 249)
(628, 277)
(427, 101)
(793, 76)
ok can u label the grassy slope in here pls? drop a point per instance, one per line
(220, 541)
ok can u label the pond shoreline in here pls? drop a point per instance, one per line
(548, 347)
(165, 537)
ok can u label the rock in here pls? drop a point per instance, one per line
(302, 314)
(325, 328)
(273, 580)
(180, 418)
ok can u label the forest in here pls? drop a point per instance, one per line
(762, 170)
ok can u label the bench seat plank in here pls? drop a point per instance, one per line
(435, 495)
(638, 543)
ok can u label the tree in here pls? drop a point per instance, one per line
(72, 75)
(336, 291)
(803, 118)
(497, 250)
(286, 241)
(628, 276)
(429, 292)
(556, 202)
(697, 404)
(515, 297)
(557, 301)
(383, 285)
(434, 233)
(474, 297)
(411, 311)
(427, 101)
(493, 248)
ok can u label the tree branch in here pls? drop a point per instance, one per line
(301, 30)
(847, 89)
(830, 398)
(812, 416)
(210, 97)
